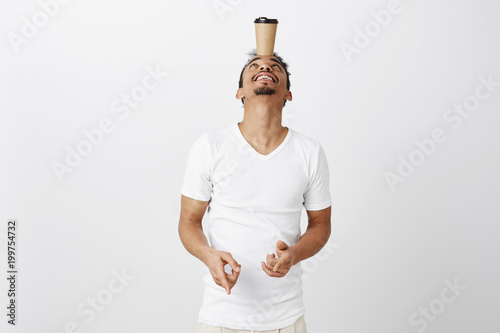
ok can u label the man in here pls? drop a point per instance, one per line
(254, 177)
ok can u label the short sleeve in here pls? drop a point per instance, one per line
(317, 194)
(197, 182)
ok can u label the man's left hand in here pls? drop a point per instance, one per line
(278, 266)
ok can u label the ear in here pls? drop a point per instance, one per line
(288, 95)
(239, 94)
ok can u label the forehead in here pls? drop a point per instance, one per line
(258, 57)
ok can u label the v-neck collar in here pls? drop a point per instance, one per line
(256, 153)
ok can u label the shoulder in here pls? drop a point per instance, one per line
(218, 137)
(307, 142)
(214, 138)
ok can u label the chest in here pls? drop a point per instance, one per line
(277, 182)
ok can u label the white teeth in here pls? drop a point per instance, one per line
(264, 77)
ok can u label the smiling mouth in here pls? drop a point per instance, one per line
(264, 78)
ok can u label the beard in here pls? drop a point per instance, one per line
(265, 90)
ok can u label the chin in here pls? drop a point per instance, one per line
(264, 91)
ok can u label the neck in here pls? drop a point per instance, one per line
(261, 123)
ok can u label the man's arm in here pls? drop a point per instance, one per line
(311, 242)
(194, 240)
(316, 236)
(190, 228)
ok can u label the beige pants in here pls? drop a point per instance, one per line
(298, 327)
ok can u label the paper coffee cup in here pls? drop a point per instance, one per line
(265, 34)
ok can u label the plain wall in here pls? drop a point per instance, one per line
(394, 251)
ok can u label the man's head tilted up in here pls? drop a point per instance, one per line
(264, 82)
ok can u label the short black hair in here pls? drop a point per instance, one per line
(251, 55)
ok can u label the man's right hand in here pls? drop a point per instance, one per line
(215, 261)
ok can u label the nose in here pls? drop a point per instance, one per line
(265, 67)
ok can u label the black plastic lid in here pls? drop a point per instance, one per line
(265, 20)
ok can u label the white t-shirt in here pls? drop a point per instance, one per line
(255, 200)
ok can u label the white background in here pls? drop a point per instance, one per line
(118, 209)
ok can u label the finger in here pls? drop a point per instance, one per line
(271, 260)
(281, 245)
(222, 276)
(270, 272)
(277, 266)
(230, 260)
(272, 255)
(232, 278)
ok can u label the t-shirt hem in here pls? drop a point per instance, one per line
(321, 206)
(239, 326)
(194, 196)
